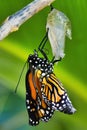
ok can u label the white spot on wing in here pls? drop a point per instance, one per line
(28, 107)
(27, 101)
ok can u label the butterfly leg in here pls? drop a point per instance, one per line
(54, 61)
(42, 44)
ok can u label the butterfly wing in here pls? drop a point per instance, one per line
(31, 100)
(45, 112)
(36, 106)
(55, 95)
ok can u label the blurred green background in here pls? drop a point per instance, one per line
(72, 71)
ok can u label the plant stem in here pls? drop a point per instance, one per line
(13, 22)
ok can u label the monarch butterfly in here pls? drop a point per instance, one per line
(44, 92)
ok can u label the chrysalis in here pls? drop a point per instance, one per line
(58, 26)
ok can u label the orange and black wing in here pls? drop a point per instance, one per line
(31, 100)
(36, 106)
(55, 95)
(45, 112)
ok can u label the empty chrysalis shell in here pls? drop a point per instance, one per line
(58, 26)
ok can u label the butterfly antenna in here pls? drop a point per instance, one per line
(20, 77)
